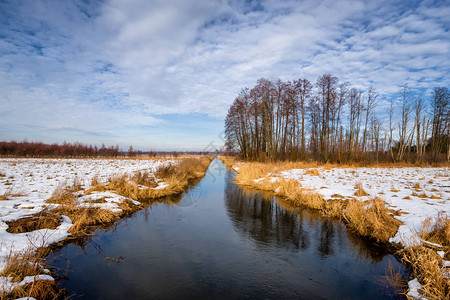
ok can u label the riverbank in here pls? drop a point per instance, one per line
(406, 206)
(47, 201)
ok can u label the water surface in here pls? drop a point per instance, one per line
(219, 240)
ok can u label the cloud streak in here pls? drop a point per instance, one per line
(120, 65)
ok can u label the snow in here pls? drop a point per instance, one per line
(414, 290)
(27, 183)
(417, 193)
(161, 185)
(6, 283)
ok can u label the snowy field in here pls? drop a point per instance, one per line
(25, 184)
(417, 193)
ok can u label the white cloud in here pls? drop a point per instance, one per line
(128, 63)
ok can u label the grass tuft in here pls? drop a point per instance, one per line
(426, 265)
(41, 220)
(360, 192)
(371, 219)
(312, 172)
(437, 231)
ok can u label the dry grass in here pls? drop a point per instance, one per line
(360, 192)
(144, 178)
(25, 263)
(165, 171)
(424, 261)
(229, 161)
(4, 196)
(176, 176)
(39, 289)
(426, 266)
(63, 196)
(312, 172)
(82, 217)
(40, 220)
(9, 193)
(437, 231)
(334, 208)
(371, 219)
(396, 280)
(315, 164)
(29, 263)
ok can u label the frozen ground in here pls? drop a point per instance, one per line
(27, 183)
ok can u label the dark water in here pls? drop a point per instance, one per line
(222, 241)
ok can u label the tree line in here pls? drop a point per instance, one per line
(39, 149)
(332, 121)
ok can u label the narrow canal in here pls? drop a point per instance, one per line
(220, 240)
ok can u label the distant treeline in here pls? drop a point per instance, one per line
(331, 121)
(38, 149)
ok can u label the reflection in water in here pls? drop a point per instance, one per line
(259, 216)
(223, 241)
(256, 215)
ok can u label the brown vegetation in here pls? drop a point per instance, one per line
(371, 219)
(38, 149)
(368, 218)
(360, 192)
(427, 268)
(40, 220)
(29, 263)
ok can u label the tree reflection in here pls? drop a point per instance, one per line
(257, 215)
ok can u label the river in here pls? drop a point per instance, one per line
(219, 240)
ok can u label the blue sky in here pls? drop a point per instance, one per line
(161, 74)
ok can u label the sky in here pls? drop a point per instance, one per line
(161, 75)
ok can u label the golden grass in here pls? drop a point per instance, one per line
(360, 192)
(424, 261)
(4, 196)
(144, 178)
(315, 164)
(29, 263)
(312, 172)
(62, 196)
(370, 218)
(176, 176)
(165, 171)
(39, 289)
(426, 266)
(9, 193)
(25, 263)
(229, 161)
(437, 231)
(334, 208)
(40, 220)
(83, 217)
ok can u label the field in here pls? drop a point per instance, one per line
(44, 201)
(404, 206)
